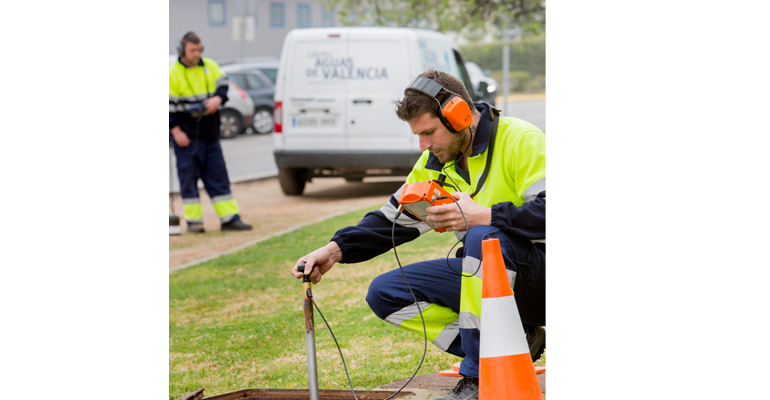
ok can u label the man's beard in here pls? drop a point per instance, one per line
(454, 150)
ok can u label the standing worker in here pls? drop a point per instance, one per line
(501, 197)
(196, 89)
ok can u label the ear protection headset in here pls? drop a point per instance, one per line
(454, 112)
(180, 48)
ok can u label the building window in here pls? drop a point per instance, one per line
(327, 17)
(303, 16)
(247, 8)
(217, 13)
(276, 15)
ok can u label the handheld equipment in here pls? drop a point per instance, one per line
(417, 197)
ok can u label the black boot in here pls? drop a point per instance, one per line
(535, 340)
(466, 389)
(195, 227)
(236, 225)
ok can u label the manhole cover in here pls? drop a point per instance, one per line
(304, 394)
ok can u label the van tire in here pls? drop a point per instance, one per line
(292, 180)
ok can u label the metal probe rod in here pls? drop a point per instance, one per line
(312, 368)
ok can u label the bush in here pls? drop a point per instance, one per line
(526, 55)
(517, 81)
(536, 84)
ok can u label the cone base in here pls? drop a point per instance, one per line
(508, 378)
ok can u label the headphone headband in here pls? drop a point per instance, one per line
(425, 85)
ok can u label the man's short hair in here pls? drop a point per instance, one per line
(190, 37)
(415, 103)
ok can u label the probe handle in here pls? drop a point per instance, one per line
(301, 268)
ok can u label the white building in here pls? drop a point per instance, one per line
(219, 22)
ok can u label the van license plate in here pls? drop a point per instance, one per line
(312, 122)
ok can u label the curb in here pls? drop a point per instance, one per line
(521, 97)
(249, 178)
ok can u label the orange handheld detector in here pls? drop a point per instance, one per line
(417, 197)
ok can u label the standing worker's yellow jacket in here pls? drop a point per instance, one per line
(188, 86)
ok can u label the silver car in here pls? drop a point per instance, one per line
(237, 114)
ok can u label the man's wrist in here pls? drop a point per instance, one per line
(335, 253)
(488, 216)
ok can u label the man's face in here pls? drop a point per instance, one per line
(192, 53)
(436, 138)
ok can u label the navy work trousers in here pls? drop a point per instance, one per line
(433, 282)
(202, 159)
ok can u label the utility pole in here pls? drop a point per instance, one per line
(506, 68)
(243, 32)
(243, 24)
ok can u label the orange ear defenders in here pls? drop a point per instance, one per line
(454, 112)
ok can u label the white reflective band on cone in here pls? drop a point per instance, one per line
(501, 331)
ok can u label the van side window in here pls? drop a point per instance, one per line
(463, 74)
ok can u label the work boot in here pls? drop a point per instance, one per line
(195, 227)
(535, 340)
(236, 225)
(466, 389)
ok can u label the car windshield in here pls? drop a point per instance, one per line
(474, 70)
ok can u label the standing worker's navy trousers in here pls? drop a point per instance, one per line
(203, 159)
(438, 292)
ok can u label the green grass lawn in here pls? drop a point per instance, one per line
(236, 322)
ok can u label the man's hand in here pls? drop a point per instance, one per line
(318, 262)
(212, 104)
(180, 137)
(448, 215)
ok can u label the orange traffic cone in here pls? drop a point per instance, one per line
(505, 366)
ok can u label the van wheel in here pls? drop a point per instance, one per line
(230, 123)
(292, 180)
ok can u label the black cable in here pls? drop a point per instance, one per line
(414, 298)
(309, 295)
(424, 330)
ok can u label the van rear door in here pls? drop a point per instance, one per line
(314, 100)
(377, 76)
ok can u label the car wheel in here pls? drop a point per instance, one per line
(263, 120)
(230, 124)
(292, 180)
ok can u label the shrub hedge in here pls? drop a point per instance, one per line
(526, 55)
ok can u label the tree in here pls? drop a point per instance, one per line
(461, 16)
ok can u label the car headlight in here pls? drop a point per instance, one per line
(491, 88)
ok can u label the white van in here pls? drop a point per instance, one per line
(336, 95)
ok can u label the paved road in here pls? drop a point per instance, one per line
(247, 157)
(532, 111)
(251, 156)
